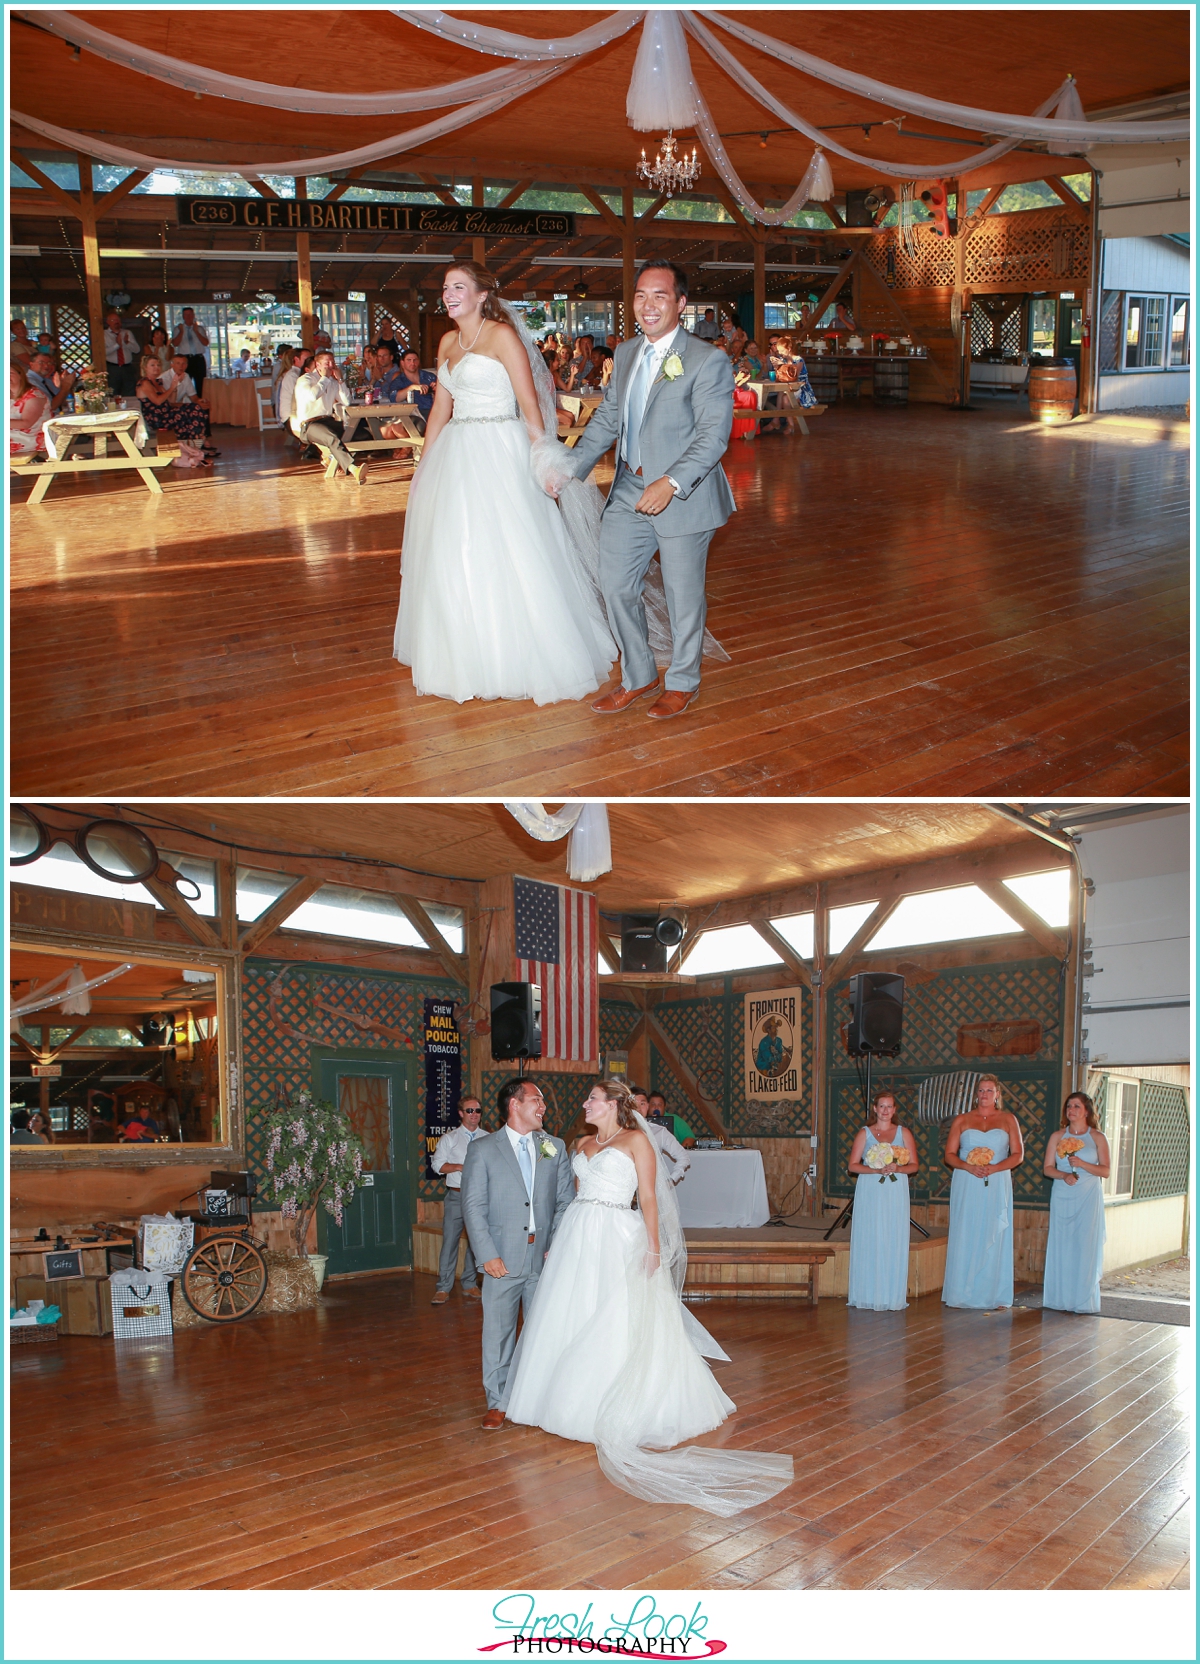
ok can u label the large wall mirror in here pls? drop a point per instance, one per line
(115, 1051)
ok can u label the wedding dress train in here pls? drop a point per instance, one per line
(610, 1356)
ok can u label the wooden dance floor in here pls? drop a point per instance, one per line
(934, 1450)
(917, 602)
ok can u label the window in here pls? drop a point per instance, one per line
(954, 915)
(1120, 1127)
(797, 931)
(1145, 326)
(1043, 316)
(1048, 893)
(844, 921)
(738, 947)
(1181, 353)
(61, 869)
(370, 916)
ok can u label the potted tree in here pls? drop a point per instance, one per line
(313, 1157)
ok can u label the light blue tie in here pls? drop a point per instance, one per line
(526, 1161)
(638, 393)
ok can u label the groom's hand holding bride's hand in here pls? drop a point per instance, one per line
(495, 1268)
(655, 497)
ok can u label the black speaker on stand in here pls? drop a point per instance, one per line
(516, 1020)
(646, 939)
(875, 1030)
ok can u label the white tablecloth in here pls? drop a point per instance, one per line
(723, 1187)
(59, 429)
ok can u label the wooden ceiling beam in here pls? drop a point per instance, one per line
(439, 190)
(62, 197)
(705, 1107)
(515, 195)
(1020, 913)
(784, 949)
(880, 914)
(608, 953)
(197, 927)
(454, 964)
(277, 914)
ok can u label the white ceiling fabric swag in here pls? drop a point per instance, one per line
(74, 998)
(503, 45)
(661, 90)
(214, 84)
(1075, 130)
(589, 851)
(301, 167)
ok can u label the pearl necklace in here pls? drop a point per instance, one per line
(478, 333)
(603, 1141)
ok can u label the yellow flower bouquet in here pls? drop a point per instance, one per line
(981, 1156)
(878, 1157)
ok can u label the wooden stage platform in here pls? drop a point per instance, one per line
(934, 1449)
(917, 602)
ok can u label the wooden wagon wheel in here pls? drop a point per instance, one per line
(224, 1279)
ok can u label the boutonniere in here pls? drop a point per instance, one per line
(546, 1150)
(672, 367)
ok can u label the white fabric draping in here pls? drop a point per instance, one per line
(73, 998)
(661, 90)
(585, 825)
(214, 84)
(503, 45)
(1076, 131)
(302, 167)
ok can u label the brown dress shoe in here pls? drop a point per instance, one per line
(619, 698)
(472, 1294)
(493, 1419)
(440, 1298)
(673, 702)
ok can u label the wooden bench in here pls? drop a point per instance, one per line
(786, 409)
(757, 1253)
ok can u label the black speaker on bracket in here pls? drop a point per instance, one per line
(876, 1014)
(645, 940)
(516, 1020)
(857, 211)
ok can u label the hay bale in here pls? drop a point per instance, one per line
(291, 1287)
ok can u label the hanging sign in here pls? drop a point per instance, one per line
(252, 213)
(443, 1075)
(771, 1024)
(46, 1071)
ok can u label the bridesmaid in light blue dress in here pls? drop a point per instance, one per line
(879, 1224)
(1075, 1247)
(979, 1254)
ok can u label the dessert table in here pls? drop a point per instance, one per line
(232, 403)
(723, 1187)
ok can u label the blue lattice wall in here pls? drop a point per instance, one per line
(273, 1061)
(934, 1008)
(708, 1034)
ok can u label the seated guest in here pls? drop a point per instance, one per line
(18, 1128)
(368, 366)
(660, 1116)
(750, 361)
(612, 342)
(283, 361)
(843, 321)
(28, 408)
(141, 1128)
(55, 384)
(181, 389)
(286, 396)
(41, 1125)
(317, 394)
(607, 365)
(185, 421)
(416, 385)
(48, 345)
(241, 365)
(20, 346)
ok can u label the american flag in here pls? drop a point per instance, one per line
(556, 935)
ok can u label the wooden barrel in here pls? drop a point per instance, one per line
(1052, 392)
(823, 378)
(891, 381)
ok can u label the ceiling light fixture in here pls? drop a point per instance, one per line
(668, 172)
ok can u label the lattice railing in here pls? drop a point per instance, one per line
(381, 313)
(1037, 248)
(1161, 1165)
(74, 338)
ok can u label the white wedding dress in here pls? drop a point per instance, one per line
(611, 1356)
(494, 603)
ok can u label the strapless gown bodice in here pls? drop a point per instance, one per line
(481, 390)
(604, 1180)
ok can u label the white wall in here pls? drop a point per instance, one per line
(1151, 263)
(1134, 391)
(1138, 923)
(1139, 1231)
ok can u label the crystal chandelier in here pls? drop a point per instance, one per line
(669, 173)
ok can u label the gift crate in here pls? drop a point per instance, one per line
(31, 1334)
(141, 1304)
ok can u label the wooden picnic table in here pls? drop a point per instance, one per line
(787, 407)
(120, 424)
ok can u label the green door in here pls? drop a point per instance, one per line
(375, 1089)
(1070, 332)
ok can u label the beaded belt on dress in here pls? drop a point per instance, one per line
(598, 1202)
(515, 417)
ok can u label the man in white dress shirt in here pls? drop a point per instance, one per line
(663, 1139)
(447, 1162)
(317, 395)
(121, 352)
(191, 339)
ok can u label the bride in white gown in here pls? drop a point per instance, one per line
(494, 603)
(500, 594)
(609, 1354)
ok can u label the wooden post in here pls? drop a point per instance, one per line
(820, 1120)
(414, 318)
(628, 261)
(91, 262)
(478, 245)
(308, 326)
(760, 290)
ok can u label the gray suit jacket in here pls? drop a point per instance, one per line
(495, 1206)
(685, 430)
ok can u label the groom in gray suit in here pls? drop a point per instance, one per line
(516, 1186)
(668, 410)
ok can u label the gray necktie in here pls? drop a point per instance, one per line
(638, 393)
(526, 1161)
